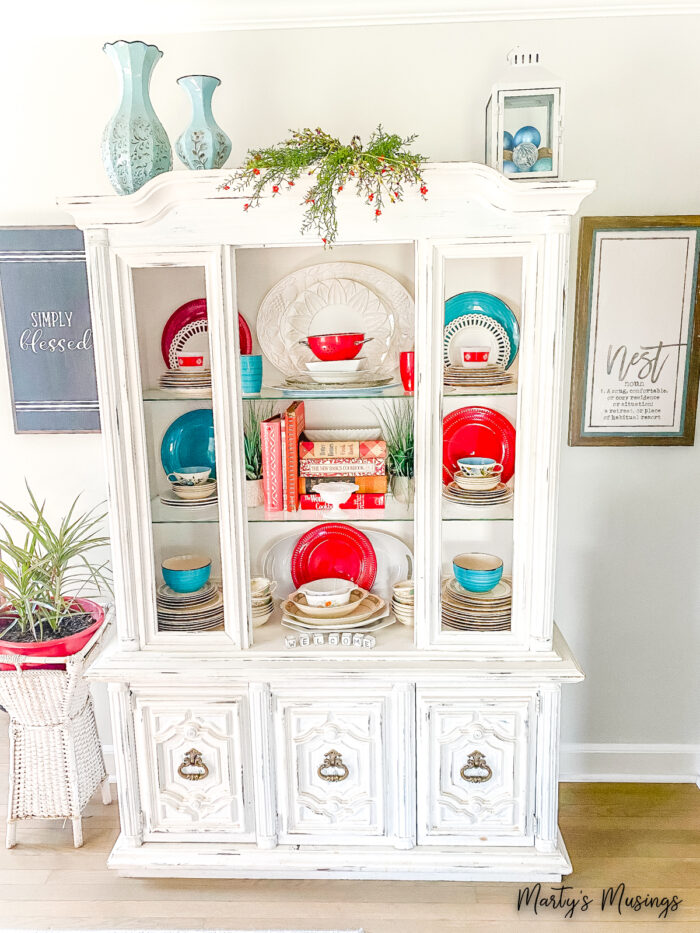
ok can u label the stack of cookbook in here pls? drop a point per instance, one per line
(294, 462)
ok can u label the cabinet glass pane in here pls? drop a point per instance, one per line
(175, 370)
(480, 355)
(529, 119)
(317, 433)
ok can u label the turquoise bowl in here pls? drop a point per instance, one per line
(186, 574)
(477, 573)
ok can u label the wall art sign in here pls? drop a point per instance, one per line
(48, 332)
(636, 362)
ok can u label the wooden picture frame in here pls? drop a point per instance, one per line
(634, 376)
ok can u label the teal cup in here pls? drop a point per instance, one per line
(251, 373)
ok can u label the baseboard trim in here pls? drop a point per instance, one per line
(636, 762)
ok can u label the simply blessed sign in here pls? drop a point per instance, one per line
(635, 373)
(48, 333)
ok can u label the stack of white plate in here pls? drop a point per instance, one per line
(188, 383)
(191, 497)
(477, 612)
(357, 380)
(497, 496)
(365, 612)
(489, 375)
(402, 602)
(190, 612)
(261, 600)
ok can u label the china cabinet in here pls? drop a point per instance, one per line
(432, 754)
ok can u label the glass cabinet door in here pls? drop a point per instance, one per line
(307, 425)
(178, 455)
(480, 294)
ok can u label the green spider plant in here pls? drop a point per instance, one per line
(396, 420)
(46, 565)
(255, 412)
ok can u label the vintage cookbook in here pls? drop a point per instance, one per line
(322, 450)
(357, 500)
(343, 466)
(271, 441)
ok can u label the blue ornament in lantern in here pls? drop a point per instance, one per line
(542, 165)
(528, 134)
(507, 140)
(510, 168)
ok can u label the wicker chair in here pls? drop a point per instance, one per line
(56, 761)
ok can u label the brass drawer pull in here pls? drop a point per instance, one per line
(476, 762)
(332, 767)
(192, 767)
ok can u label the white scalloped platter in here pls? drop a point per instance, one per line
(336, 297)
(475, 330)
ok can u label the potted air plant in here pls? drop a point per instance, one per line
(396, 421)
(255, 412)
(45, 568)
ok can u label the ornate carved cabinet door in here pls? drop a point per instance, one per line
(194, 767)
(476, 770)
(338, 762)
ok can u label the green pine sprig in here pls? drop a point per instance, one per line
(380, 172)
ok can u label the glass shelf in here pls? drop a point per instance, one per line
(457, 392)
(393, 512)
(291, 394)
(454, 511)
(163, 395)
(164, 514)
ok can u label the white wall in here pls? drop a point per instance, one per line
(628, 593)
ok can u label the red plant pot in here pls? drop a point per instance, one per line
(328, 347)
(57, 647)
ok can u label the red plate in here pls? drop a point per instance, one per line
(477, 432)
(334, 550)
(196, 310)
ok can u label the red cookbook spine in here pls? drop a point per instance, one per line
(271, 441)
(358, 500)
(294, 420)
(343, 467)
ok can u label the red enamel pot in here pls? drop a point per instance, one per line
(329, 347)
(57, 647)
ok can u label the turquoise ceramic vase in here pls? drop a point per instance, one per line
(135, 147)
(204, 144)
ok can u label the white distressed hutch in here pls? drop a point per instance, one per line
(407, 715)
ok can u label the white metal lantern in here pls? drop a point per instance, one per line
(524, 120)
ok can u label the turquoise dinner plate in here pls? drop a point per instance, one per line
(189, 441)
(489, 306)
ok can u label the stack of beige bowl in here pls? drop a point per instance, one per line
(261, 590)
(402, 601)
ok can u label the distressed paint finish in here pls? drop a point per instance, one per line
(271, 716)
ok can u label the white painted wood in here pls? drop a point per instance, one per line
(167, 729)
(131, 16)
(264, 719)
(452, 728)
(310, 724)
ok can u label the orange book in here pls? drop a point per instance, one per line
(294, 420)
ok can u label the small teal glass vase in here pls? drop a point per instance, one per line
(135, 147)
(204, 144)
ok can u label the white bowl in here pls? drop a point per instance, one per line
(337, 377)
(337, 366)
(329, 591)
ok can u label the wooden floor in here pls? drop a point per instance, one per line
(645, 835)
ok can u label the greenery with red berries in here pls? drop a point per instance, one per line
(378, 172)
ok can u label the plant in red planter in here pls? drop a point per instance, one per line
(44, 569)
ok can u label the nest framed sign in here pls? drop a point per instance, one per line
(636, 362)
(48, 332)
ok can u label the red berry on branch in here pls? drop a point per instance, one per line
(290, 184)
(246, 206)
(340, 188)
(275, 189)
(324, 240)
(370, 197)
(226, 187)
(377, 212)
(256, 171)
(423, 189)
